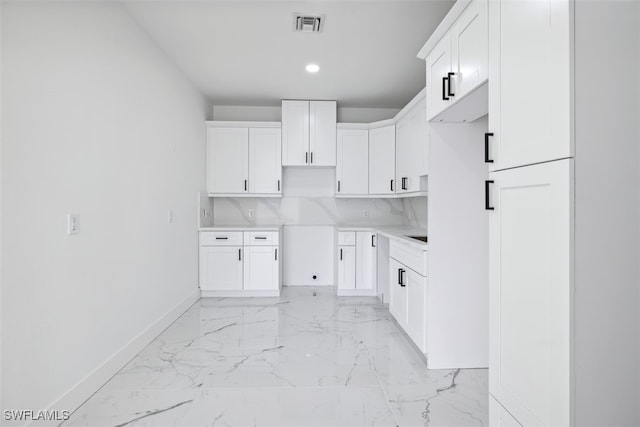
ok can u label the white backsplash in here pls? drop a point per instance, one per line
(320, 211)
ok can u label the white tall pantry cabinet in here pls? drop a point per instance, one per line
(563, 314)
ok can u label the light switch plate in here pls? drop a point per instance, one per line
(73, 224)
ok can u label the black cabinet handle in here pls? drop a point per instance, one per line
(449, 75)
(276, 254)
(239, 254)
(338, 186)
(391, 185)
(404, 183)
(278, 185)
(245, 185)
(373, 245)
(444, 89)
(221, 238)
(402, 271)
(260, 238)
(486, 147)
(400, 276)
(487, 202)
(340, 254)
(306, 157)
(312, 157)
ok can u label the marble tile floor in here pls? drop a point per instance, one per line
(308, 358)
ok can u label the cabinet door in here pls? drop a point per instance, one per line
(438, 68)
(366, 261)
(346, 267)
(322, 133)
(382, 160)
(352, 174)
(416, 308)
(397, 289)
(411, 149)
(295, 133)
(265, 161)
(221, 268)
(261, 268)
(227, 160)
(470, 41)
(530, 93)
(530, 291)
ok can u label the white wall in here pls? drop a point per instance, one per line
(607, 362)
(97, 123)
(266, 113)
(458, 246)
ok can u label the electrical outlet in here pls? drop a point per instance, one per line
(73, 224)
(170, 216)
(366, 213)
(251, 213)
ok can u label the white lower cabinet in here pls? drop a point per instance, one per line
(408, 291)
(230, 268)
(261, 270)
(221, 268)
(357, 266)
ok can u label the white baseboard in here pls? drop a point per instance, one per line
(85, 388)
(239, 294)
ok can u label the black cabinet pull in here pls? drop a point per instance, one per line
(338, 186)
(404, 183)
(278, 185)
(373, 245)
(391, 185)
(260, 238)
(221, 238)
(245, 185)
(444, 89)
(340, 254)
(306, 157)
(402, 278)
(239, 254)
(276, 254)
(486, 147)
(449, 75)
(487, 202)
(312, 157)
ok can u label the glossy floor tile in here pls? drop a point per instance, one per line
(307, 358)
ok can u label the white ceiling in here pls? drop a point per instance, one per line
(246, 52)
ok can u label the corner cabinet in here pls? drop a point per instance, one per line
(244, 159)
(382, 160)
(411, 148)
(352, 174)
(309, 133)
(237, 263)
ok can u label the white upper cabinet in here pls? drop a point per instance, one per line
(322, 133)
(411, 149)
(227, 160)
(352, 164)
(530, 92)
(309, 133)
(243, 160)
(439, 72)
(382, 160)
(457, 60)
(469, 39)
(265, 170)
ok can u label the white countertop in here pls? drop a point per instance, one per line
(396, 232)
(241, 228)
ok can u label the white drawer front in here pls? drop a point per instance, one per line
(347, 238)
(413, 258)
(261, 238)
(221, 238)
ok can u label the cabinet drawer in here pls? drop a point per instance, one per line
(347, 238)
(413, 258)
(221, 238)
(261, 238)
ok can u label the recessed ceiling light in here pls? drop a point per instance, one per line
(312, 68)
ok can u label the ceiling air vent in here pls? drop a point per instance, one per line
(308, 23)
